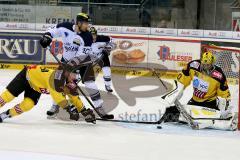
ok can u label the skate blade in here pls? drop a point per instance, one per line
(54, 117)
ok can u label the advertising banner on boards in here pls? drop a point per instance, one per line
(172, 55)
(21, 48)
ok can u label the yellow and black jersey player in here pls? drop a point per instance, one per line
(210, 88)
(37, 80)
(209, 81)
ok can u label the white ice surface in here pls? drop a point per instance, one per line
(32, 137)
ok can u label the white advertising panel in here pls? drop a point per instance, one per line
(108, 29)
(217, 34)
(136, 30)
(164, 31)
(190, 33)
(130, 52)
(172, 55)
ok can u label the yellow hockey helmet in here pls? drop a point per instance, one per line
(208, 58)
(82, 17)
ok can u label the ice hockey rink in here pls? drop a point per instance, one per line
(33, 136)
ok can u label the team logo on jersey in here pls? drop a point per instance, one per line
(56, 47)
(200, 87)
(77, 41)
(217, 74)
(195, 64)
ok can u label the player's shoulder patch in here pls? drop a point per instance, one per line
(217, 73)
(194, 64)
(77, 40)
(67, 25)
(103, 38)
(87, 38)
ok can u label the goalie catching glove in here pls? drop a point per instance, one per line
(225, 109)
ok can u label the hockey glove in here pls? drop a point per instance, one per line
(109, 47)
(46, 40)
(71, 88)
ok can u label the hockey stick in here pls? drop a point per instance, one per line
(182, 110)
(126, 121)
(155, 73)
(184, 113)
(85, 96)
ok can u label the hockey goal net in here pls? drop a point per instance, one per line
(228, 59)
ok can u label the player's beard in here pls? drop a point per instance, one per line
(82, 26)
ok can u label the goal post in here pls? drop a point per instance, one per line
(228, 58)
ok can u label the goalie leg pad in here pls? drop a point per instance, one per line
(208, 115)
(228, 125)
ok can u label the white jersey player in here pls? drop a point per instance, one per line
(77, 42)
(101, 47)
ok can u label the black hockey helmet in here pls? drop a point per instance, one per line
(82, 17)
(93, 30)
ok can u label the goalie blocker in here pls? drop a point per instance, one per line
(209, 107)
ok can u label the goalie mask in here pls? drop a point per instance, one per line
(207, 61)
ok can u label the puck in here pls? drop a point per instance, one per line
(159, 127)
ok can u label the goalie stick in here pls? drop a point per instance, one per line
(184, 113)
(126, 121)
(155, 73)
(91, 104)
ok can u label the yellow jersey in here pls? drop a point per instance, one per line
(205, 87)
(41, 79)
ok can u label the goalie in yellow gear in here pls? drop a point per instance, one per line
(37, 80)
(211, 95)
